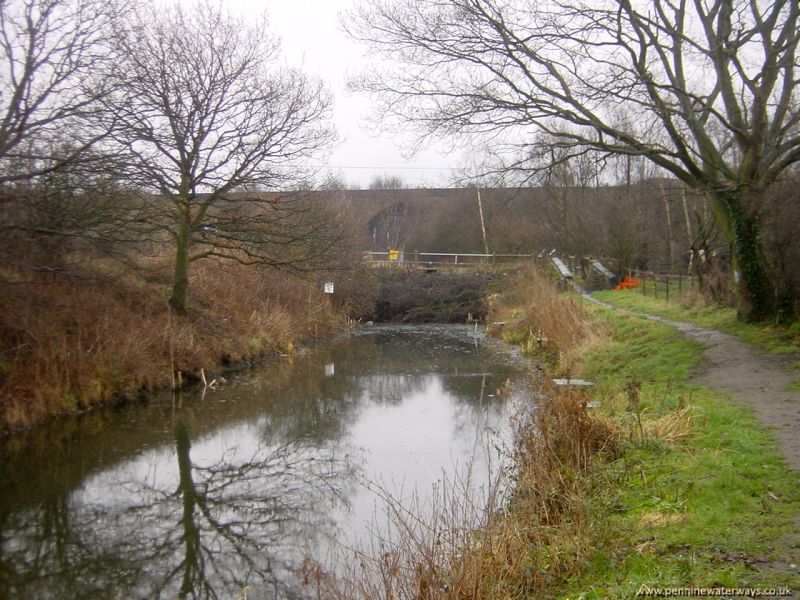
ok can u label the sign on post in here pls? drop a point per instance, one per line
(394, 255)
(328, 287)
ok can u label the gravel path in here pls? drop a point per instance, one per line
(760, 381)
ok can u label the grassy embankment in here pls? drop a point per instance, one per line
(691, 309)
(663, 484)
(70, 344)
(694, 492)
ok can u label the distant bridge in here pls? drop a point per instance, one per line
(444, 260)
(594, 272)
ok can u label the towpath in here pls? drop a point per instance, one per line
(758, 380)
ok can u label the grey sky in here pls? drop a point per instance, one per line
(311, 36)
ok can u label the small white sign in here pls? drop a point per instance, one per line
(328, 287)
(330, 370)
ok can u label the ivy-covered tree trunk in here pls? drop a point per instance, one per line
(742, 226)
(180, 280)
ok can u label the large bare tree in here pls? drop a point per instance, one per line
(50, 51)
(711, 84)
(205, 120)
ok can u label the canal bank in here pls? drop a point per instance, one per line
(70, 347)
(645, 481)
(217, 490)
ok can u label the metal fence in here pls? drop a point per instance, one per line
(663, 285)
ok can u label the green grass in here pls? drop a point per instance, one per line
(773, 338)
(685, 512)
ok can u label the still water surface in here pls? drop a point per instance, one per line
(234, 487)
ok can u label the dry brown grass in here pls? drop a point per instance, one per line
(66, 345)
(531, 313)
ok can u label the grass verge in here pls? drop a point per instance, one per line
(777, 339)
(698, 496)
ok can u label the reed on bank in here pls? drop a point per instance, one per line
(69, 344)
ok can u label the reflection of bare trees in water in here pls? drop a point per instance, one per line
(219, 528)
(392, 389)
(91, 514)
(41, 553)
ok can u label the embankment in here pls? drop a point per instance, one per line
(70, 344)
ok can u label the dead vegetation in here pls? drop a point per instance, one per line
(67, 344)
(435, 297)
(530, 313)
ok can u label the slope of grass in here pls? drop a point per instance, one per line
(778, 339)
(699, 495)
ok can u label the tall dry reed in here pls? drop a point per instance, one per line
(531, 312)
(67, 345)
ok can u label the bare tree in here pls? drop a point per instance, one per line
(712, 85)
(49, 52)
(387, 182)
(205, 121)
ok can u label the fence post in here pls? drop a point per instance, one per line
(680, 279)
(666, 280)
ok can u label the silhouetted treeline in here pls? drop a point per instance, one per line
(654, 224)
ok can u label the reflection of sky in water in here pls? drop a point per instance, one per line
(409, 446)
(238, 502)
(156, 467)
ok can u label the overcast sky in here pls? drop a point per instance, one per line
(311, 35)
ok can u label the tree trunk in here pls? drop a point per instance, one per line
(689, 236)
(742, 226)
(180, 279)
(670, 236)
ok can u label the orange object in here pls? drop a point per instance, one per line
(627, 283)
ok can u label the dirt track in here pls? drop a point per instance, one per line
(760, 381)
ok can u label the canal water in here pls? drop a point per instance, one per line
(222, 489)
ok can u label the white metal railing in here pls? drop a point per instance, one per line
(443, 258)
